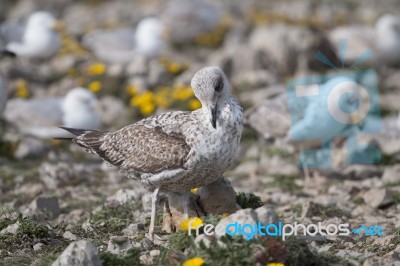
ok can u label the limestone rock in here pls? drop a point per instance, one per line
(46, 204)
(378, 197)
(218, 198)
(79, 253)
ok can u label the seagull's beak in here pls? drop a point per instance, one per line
(58, 25)
(214, 112)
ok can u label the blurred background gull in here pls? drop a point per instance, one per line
(113, 63)
(37, 39)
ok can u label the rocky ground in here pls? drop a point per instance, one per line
(60, 206)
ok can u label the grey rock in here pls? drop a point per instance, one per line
(391, 174)
(56, 175)
(248, 168)
(119, 245)
(87, 226)
(147, 244)
(271, 118)
(145, 259)
(378, 197)
(133, 229)
(292, 46)
(30, 147)
(154, 253)
(266, 215)
(218, 197)
(325, 248)
(245, 216)
(11, 229)
(47, 204)
(79, 253)
(38, 247)
(124, 195)
(70, 236)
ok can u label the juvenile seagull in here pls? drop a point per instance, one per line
(176, 151)
(123, 45)
(39, 39)
(41, 117)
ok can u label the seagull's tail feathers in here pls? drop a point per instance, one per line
(75, 131)
(89, 139)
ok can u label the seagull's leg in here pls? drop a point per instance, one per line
(307, 178)
(153, 213)
(186, 202)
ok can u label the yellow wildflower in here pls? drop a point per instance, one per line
(275, 264)
(96, 69)
(194, 222)
(193, 190)
(55, 142)
(162, 101)
(147, 109)
(22, 89)
(182, 92)
(143, 99)
(196, 261)
(145, 102)
(173, 68)
(162, 97)
(225, 214)
(95, 86)
(132, 90)
(194, 104)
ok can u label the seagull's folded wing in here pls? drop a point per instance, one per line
(139, 148)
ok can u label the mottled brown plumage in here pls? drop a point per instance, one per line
(176, 151)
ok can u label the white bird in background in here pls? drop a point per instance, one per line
(123, 45)
(42, 117)
(383, 40)
(188, 19)
(3, 97)
(38, 40)
(388, 40)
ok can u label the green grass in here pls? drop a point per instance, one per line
(328, 211)
(248, 200)
(130, 259)
(238, 251)
(285, 182)
(114, 218)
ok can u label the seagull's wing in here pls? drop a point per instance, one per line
(34, 112)
(142, 147)
(112, 45)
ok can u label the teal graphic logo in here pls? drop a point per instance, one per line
(343, 103)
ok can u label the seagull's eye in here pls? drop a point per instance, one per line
(218, 87)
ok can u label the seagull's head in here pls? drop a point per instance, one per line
(43, 20)
(79, 99)
(211, 87)
(388, 23)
